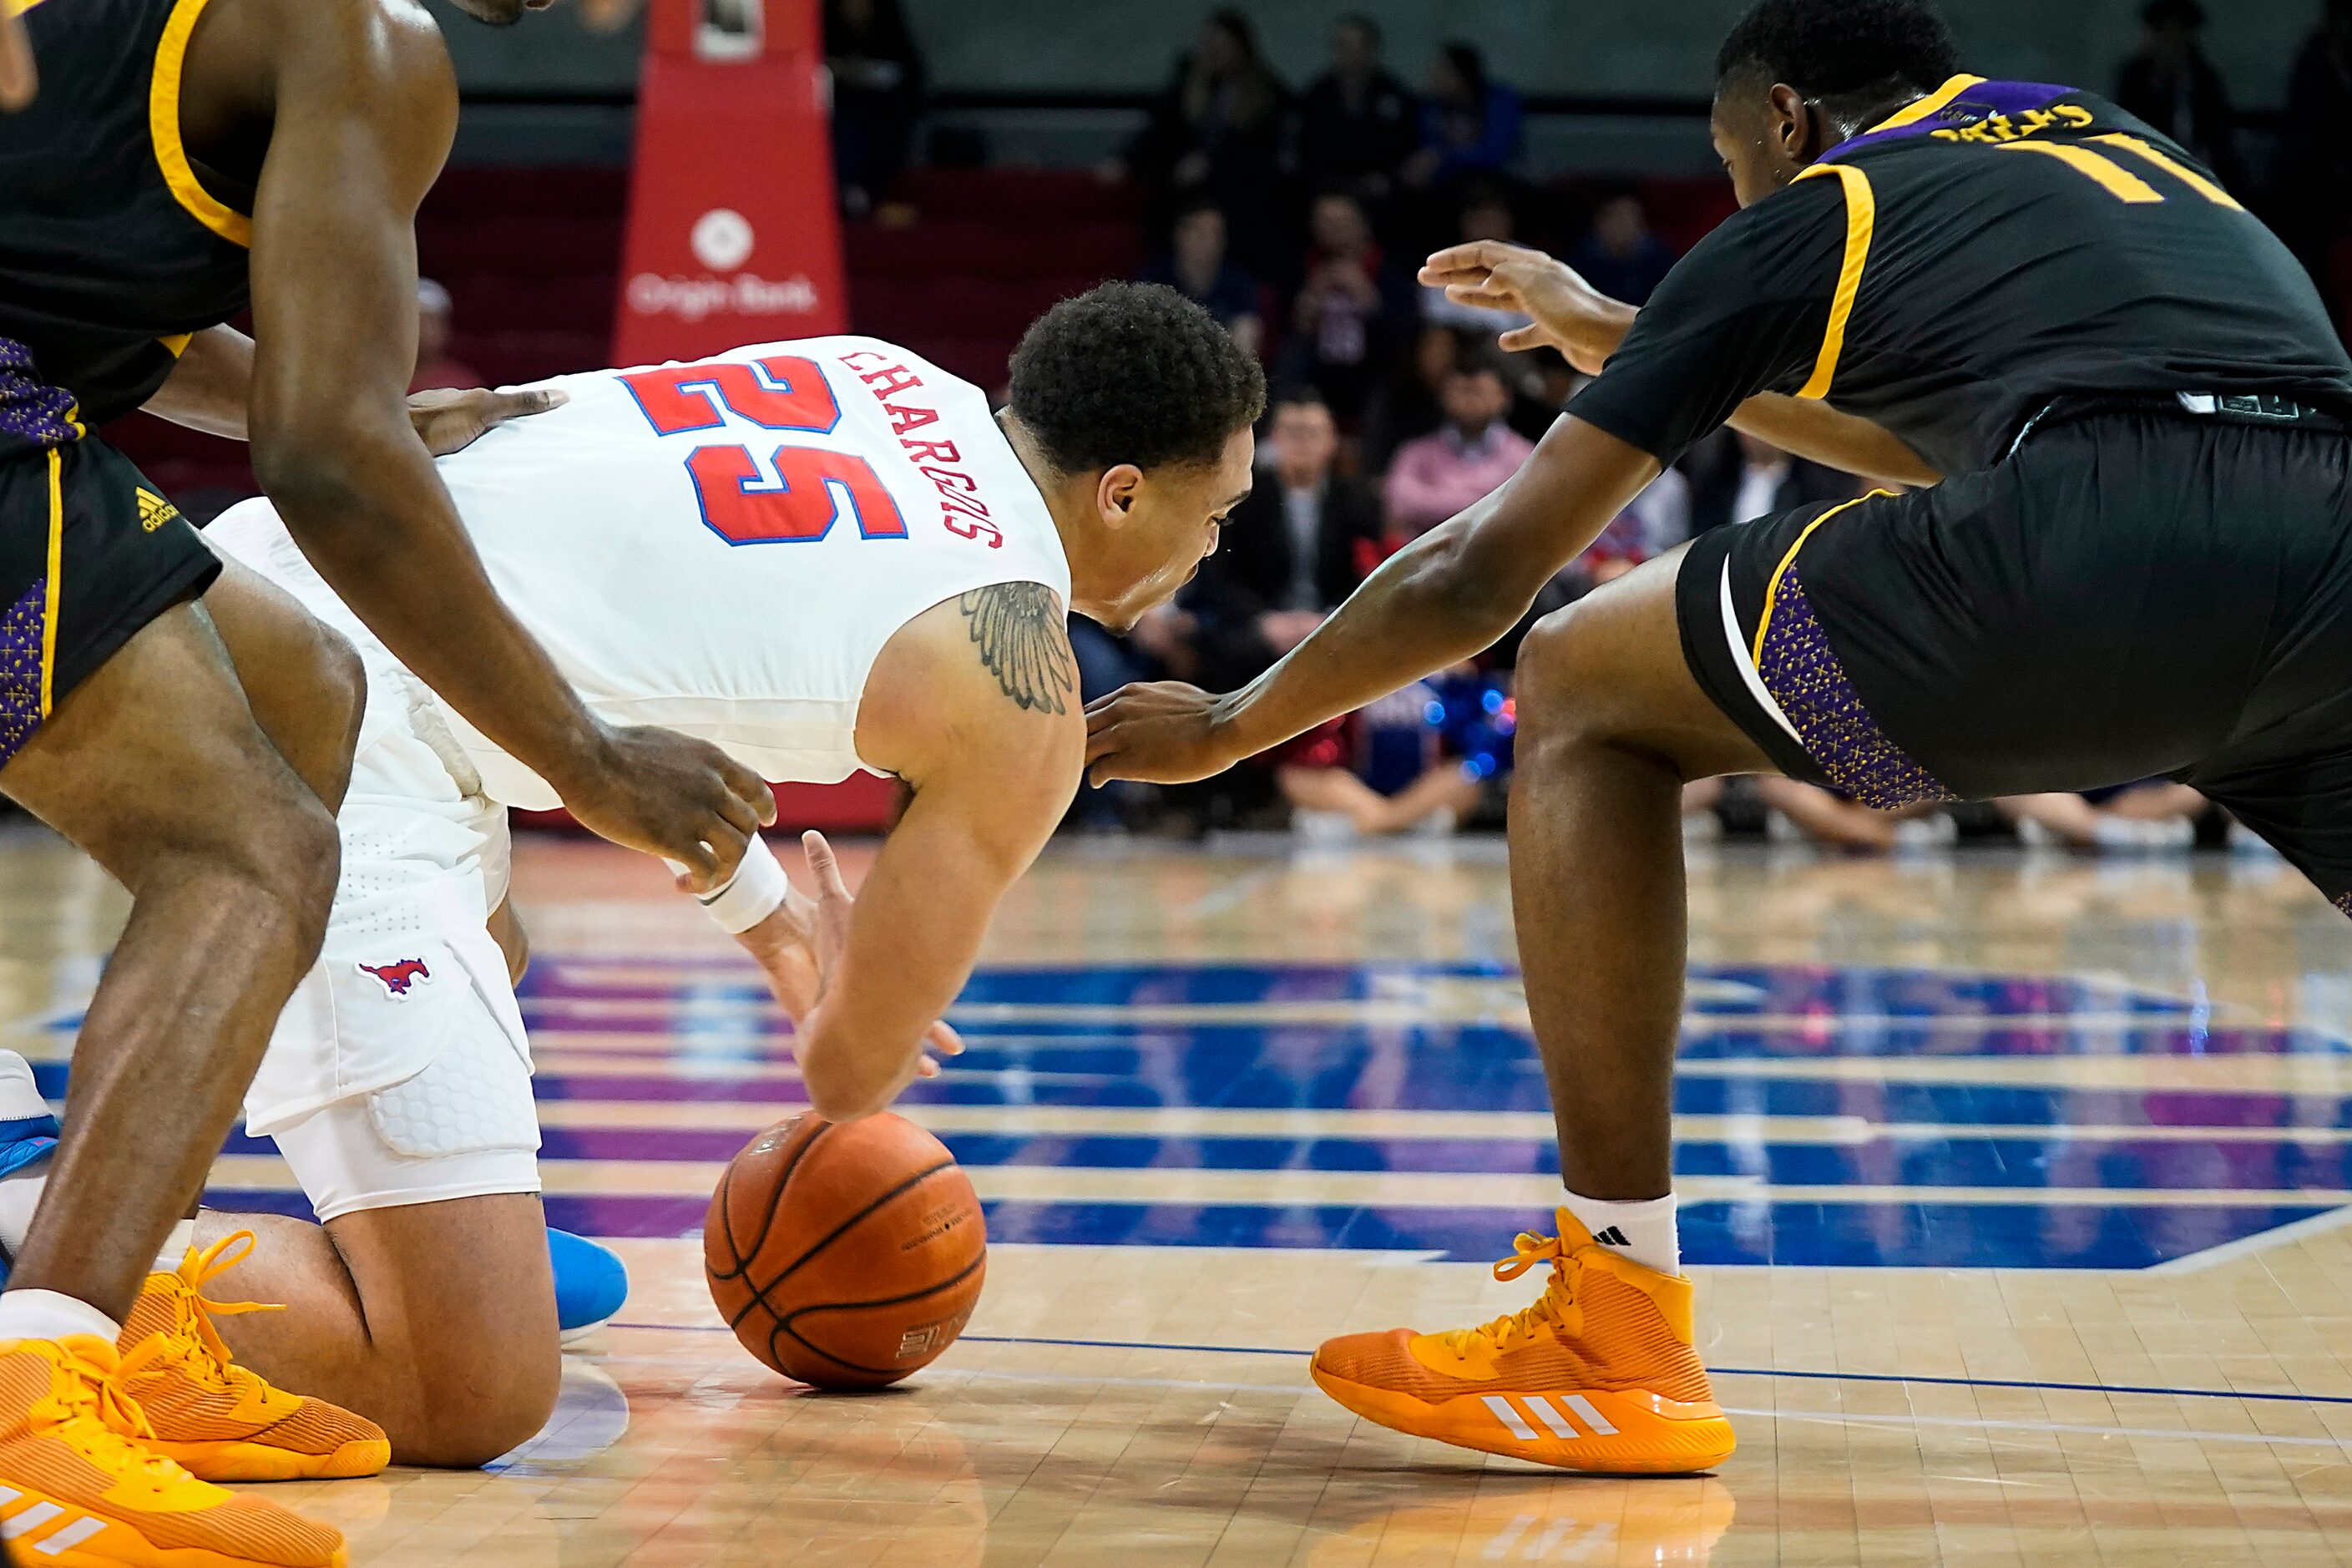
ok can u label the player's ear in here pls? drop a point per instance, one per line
(1791, 124)
(1117, 493)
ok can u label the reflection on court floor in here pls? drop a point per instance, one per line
(1828, 1115)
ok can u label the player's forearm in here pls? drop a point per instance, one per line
(1447, 597)
(908, 956)
(370, 511)
(211, 386)
(1813, 430)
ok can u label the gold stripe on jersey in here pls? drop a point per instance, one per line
(1861, 225)
(55, 578)
(163, 130)
(2120, 181)
(178, 344)
(1772, 587)
(2174, 167)
(1934, 104)
(18, 7)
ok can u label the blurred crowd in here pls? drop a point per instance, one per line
(1297, 217)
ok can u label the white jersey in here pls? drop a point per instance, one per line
(723, 548)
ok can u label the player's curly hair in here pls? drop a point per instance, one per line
(1133, 372)
(1838, 48)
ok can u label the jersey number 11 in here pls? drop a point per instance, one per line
(815, 484)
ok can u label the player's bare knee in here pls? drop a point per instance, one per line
(1563, 690)
(286, 853)
(473, 1408)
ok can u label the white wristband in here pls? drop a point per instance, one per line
(757, 890)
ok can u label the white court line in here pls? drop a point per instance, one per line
(2285, 1234)
(1828, 1417)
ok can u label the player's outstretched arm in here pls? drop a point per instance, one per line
(974, 704)
(1569, 314)
(364, 104)
(1445, 597)
(211, 390)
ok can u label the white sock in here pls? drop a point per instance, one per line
(175, 1247)
(1642, 1231)
(47, 1315)
(20, 1195)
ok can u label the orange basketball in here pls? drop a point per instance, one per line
(845, 1255)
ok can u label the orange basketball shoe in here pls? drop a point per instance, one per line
(80, 1489)
(1597, 1375)
(221, 1420)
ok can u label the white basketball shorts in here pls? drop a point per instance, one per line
(399, 1072)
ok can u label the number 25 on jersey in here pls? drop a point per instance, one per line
(815, 484)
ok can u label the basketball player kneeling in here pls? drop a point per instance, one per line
(822, 556)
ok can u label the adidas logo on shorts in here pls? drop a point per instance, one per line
(154, 511)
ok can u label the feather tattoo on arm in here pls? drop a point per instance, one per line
(1019, 631)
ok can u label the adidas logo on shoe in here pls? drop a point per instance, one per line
(1612, 1237)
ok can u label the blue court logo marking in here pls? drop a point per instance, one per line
(1825, 1115)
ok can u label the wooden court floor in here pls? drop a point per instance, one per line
(2014, 1187)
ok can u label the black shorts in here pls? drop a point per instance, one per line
(89, 552)
(2135, 594)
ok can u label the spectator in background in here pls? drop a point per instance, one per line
(1469, 124)
(1621, 257)
(1304, 539)
(1654, 523)
(1198, 268)
(1464, 462)
(1736, 478)
(877, 95)
(1485, 214)
(435, 367)
(2313, 200)
(2170, 84)
(1409, 402)
(1216, 135)
(1353, 311)
(1359, 122)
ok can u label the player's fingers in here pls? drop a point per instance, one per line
(741, 814)
(1523, 338)
(944, 1039)
(926, 1068)
(498, 407)
(1106, 742)
(701, 863)
(751, 789)
(726, 842)
(824, 865)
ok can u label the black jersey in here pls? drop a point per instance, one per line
(1994, 246)
(112, 249)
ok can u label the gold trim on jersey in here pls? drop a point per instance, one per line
(2173, 167)
(18, 7)
(1935, 103)
(56, 577)
(163, 130)
(178, 344)
(2120, 181)
(1772, 587)
(1861, 223)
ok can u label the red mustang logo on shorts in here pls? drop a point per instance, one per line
(398, 977)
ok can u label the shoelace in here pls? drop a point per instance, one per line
(193, 1315)
(1518, 1328)
(112, 1429)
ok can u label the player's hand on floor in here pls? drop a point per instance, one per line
(671, 795)
(1570, 315)
(1162, 732)
(448, 420)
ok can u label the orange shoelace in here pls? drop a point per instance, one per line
(194, 1343)
(1517, 1329)
(105, 1421)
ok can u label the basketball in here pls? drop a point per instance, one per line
(845, 1255)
